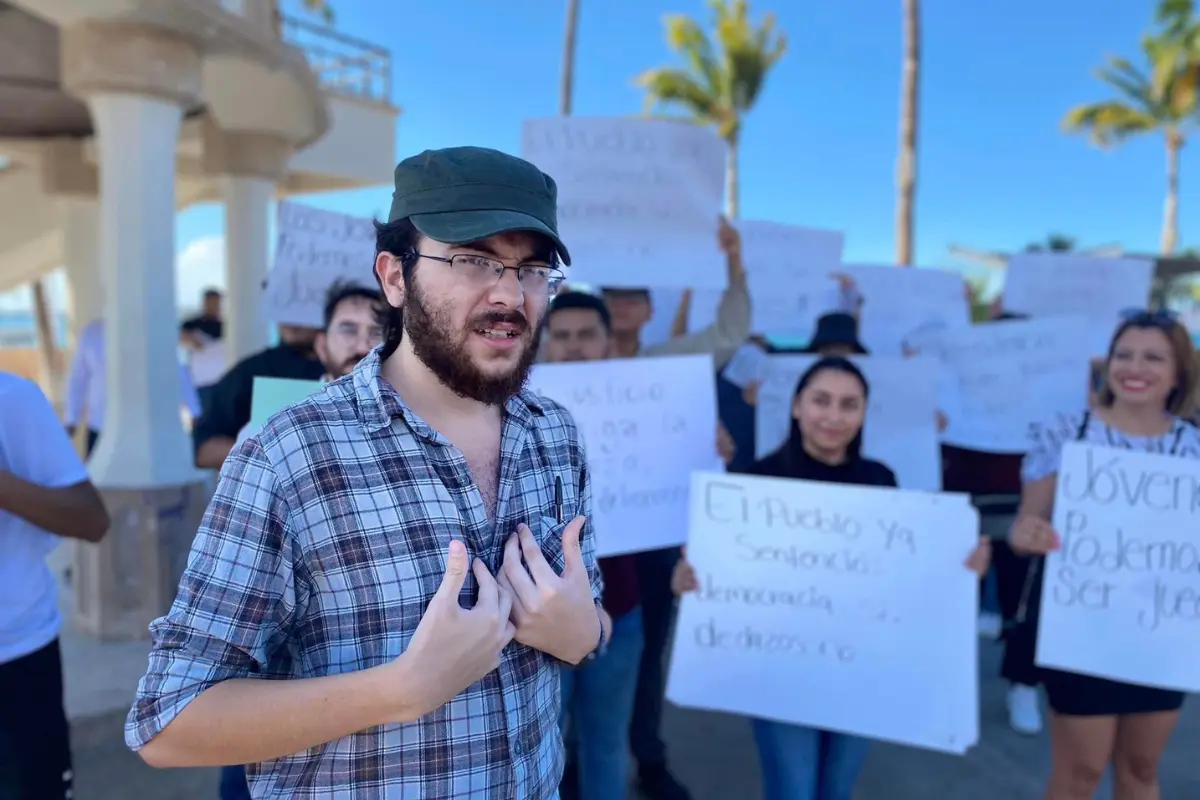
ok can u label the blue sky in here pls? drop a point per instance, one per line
(995, 171)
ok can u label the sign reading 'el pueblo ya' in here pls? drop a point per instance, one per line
(1121, 598)
(646, 424)
(638, 199)
(839, 607)
(315, 248)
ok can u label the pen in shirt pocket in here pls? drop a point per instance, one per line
(558, 500)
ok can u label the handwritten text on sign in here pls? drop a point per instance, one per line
(1007, 375)
(1046, 284)
(901, 424)
(1121, 599)
(638, 199)
(838, 607)
(315, 248)
(647, 423)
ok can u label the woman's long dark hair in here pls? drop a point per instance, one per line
(792, 451)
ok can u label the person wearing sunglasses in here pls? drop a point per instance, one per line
(1149, 375)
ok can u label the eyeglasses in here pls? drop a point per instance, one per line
(536, 279)
(352, 333)
(1161, 318)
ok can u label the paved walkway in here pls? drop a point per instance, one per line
(714, 755)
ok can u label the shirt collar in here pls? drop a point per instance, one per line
(379, 402)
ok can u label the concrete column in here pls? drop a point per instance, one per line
(137, 81)
(70, 176)
(247, 250)
(81, 256)
(143, 443)
(251, 165)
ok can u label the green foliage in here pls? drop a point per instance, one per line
(321, 8)
(1054, 243)
(1162, 97)
(722, 76)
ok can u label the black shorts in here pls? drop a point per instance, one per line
(1074, 695)
(35, 744)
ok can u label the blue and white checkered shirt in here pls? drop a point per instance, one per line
(319, 553)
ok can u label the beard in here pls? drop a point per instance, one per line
(444, 350)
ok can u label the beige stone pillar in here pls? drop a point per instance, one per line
(250, 166)
(137, 81)
(74, 181)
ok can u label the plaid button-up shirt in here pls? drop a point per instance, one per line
(319, 553)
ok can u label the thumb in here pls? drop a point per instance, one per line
(572, 549)
(456, 569)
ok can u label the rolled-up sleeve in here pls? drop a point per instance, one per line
(723, 337)
(236, 600)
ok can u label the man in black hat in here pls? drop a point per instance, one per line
(836, 335)
(403, 554)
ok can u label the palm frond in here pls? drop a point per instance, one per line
(321, 8)
(724, 72)
(1110, 122)
(667, 87)
(685, 37)
(1126, 79)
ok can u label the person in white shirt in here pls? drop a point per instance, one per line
(45, 494)
(87, 385)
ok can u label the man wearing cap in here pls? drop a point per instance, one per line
(392, 571)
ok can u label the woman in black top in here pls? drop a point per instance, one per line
(825, 444)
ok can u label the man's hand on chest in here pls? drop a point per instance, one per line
(552, 613)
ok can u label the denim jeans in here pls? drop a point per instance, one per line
(658, 609)
(597, 702)
(800, 763)
(233, 784)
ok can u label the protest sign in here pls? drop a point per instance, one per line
(898, 302)
(901, 422)
(788, 272)
(1008, 375)
(1058, 284)
(638, 199)
(1121, 598)
(314, 249)
(271, 395)
(747, 365)
(646, 424)
(839, 607)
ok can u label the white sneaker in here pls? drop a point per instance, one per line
(1024, 709)
(991, 625)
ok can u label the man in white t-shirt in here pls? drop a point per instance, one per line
(45, 494)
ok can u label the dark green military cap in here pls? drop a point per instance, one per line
(464, 194)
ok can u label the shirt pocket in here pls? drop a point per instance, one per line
(549, 538)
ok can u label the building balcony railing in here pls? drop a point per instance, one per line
(343, 64)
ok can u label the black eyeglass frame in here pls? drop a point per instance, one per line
(554, 278)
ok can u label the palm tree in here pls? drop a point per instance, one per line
(723, 76)
(1054, 243)
(321, 8)
(1164, 102)
(906, 162)
(567, 88)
